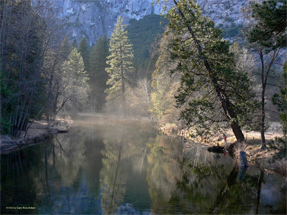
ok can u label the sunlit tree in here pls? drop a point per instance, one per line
(120, 64)
(210, 87)
(75, 78)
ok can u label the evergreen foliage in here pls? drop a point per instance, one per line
(65, 49)
(267, 36)
(232, 31)
(120, 65)
(164, 86)
(23, 38)
(214, 92)
(143, 32)
(75, 44)
(85, 53)
(281, 100)
(98, 75)
(270, 29)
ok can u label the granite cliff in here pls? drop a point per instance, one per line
(93, 18)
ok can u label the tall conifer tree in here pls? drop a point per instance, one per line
(65, 49)
(98, 75)
(75, 44)
(85, 53)
(120, 63)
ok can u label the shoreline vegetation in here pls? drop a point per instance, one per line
(263, 159)
(37, 133)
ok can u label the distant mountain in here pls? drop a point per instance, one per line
(93, 18)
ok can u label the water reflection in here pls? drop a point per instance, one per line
(98, 169)
(204, 184)
(113, 176)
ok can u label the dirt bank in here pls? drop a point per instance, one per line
(255, 156)
(38, 132)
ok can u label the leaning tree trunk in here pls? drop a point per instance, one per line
(225, 103)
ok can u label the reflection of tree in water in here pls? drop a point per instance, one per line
(93, 160)
(207, 189)
(163, 170)
(125, 148)
(195, 187)
(112, 176)
(69, 156)
(18, 182)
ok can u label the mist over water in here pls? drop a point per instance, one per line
(100, 167)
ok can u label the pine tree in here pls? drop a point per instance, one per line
(120, 63)
(98, 75)
(84, 50)
(65, 49)
(75, 44)
(211, 89)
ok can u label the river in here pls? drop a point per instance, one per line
(101, 168)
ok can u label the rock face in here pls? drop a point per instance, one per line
(224, 12)
(93, 18)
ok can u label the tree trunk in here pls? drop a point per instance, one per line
(263, 119)
(123, 87)
(225, 104)
(263, 84)
(123, 83)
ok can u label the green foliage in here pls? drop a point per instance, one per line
(6, 94)
(84, 50)
(143, 32)
(281, 100)
(210, 87)
(280, 145)
(22, 84)
(164, 86)
(75, 79)
(270, 30)
(98, 75)
(120, 64)
(65, 49)
(232, 31)
(74, 44)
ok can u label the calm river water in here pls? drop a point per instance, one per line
(106, 169)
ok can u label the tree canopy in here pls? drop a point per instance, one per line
(270, 29)
(210, 86)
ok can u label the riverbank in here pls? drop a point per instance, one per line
(266, 159)
(38, 132)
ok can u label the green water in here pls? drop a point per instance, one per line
(106, 169)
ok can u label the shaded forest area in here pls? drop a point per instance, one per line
(177, 67)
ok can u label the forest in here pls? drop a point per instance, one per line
(174, 68)
(170, 114)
